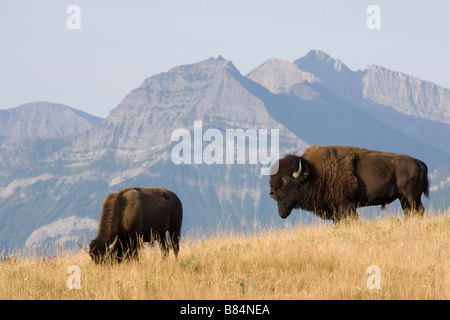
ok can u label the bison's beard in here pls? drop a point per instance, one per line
(284, 210)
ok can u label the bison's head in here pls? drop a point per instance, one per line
(100, 251)
(286, 183)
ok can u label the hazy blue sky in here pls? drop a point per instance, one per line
(121, 43)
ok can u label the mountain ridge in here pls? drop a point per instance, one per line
(401, 111)
(51, 180)
(146, 110)
(43, 120)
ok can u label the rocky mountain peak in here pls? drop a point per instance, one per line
(279, 75)
(194, 75)
(321, 64)
(333, 73)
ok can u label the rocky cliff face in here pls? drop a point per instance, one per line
(406, 94)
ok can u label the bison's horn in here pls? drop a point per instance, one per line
(84, 248)
(113, 244)
(297, 174)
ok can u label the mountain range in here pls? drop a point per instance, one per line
(55, 175)
(43, 120)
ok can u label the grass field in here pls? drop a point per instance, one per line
(411, 259)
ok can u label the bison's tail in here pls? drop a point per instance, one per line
(426, 190)
(426, 183)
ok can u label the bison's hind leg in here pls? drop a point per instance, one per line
(406, 206)
(175, 240)
(163, 243)
(420, 209)
(417, 208)
(412, 207)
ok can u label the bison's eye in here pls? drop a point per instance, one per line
(286, 179)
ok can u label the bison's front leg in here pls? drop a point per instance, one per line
(346, 211)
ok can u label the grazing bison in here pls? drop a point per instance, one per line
(135, 215)
(332, 181)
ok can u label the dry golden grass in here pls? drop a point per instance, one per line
(305, 262)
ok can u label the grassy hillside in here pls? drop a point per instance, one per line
(305, 262)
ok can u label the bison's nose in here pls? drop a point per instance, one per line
(272, 193)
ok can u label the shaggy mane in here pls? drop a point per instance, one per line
(333, 178)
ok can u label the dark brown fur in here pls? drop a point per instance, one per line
(136, 215)
(335, 180)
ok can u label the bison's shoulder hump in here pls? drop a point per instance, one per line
(334, 170)
(321, 151)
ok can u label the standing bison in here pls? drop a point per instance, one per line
(332, 181)
(135, 215)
